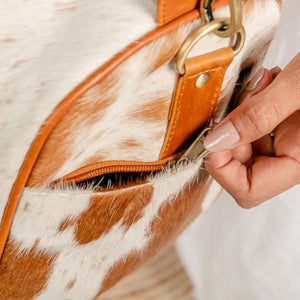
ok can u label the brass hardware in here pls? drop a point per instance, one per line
(196, 151)
(235, 23)
(237, 42)
(206, 10)
(201, 80)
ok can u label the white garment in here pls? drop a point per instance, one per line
(232, 253)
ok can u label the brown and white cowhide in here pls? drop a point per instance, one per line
(161, 277)
(71, 242)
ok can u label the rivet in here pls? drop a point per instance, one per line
(201, 80)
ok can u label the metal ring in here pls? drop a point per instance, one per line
(236, 43)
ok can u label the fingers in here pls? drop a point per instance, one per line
(260, 114)
(252, 183)
(264, 145)
(271, 102)
(287, 137)
(259, 82)
(268, 176)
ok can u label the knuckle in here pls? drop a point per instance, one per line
(260, 118)
(254, 119)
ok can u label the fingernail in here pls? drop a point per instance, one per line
(255, 80)
(224, 137)
(275, 71)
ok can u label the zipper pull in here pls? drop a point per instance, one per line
(196, 151)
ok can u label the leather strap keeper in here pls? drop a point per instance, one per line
(193, 105)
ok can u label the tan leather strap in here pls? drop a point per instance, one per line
(193, 105)
(169, 10)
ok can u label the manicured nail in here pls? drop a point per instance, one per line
(224, 137)
(255, 80)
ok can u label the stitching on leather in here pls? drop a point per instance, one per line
(164, 11)
(176, 115)
(216, 90)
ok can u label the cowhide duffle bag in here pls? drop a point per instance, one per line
(95, 184)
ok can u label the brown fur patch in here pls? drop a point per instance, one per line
(172, 219)
(130, 143)
(22, 276)
(95, 159)
(105, 211)
(156, 110)
(70, 284)
(65, 224)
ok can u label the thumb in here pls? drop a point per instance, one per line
(260, 114)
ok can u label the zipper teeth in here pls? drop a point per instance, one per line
(89, 172)
(107, 170)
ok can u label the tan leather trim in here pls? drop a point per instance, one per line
(193, 106)
(61, 109)
(169, 10)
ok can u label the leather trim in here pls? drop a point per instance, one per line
(192, 107)
(63, 106)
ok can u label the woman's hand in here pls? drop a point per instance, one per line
(246, 160)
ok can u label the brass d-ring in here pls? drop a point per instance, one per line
(236, 43)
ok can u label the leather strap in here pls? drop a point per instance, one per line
(192, 106)
(169, 10)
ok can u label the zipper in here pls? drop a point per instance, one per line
(113, 166)
(197, 150)
(193, 154)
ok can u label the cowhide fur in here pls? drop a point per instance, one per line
(70, 242)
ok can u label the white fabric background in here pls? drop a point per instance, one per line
(232, 253)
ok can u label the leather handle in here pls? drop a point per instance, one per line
(168, 10)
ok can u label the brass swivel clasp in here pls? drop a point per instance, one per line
(196, 150)
(235, 23)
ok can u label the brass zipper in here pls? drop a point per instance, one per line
(194, 153)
